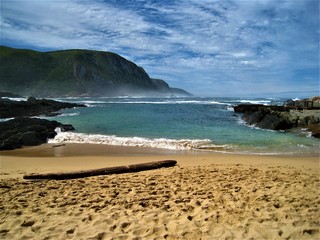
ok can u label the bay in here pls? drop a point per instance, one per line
(191, 123)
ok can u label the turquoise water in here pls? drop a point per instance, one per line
(177, 123)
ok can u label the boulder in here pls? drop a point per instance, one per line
(31, 138)
(315, 130)
(20, 132)
(66, 127)
(32, 99)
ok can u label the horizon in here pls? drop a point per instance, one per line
(208, 48)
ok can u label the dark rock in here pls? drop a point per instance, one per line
(279, 117)
(269, 122)
(242, 108)
(315, 130)
(30, 131)
(27, 223)
(31, 138)
(32, 100)
(37, 128)
(254, 117)
(267, 117)
(20, 132)
(32, 107)
(11, 143)
(67, 127)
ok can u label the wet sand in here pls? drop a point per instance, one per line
(206, 196)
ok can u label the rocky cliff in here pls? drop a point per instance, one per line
(76, 73)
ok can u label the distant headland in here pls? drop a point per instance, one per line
(77, 73)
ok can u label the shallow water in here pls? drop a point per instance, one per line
(177, 123)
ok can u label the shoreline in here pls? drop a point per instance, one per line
(83, 156)
(96, 149)
(206, 195)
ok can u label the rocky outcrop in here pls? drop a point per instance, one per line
(20, 132)
(23, 131)
(308, 103)
(280, 117)
(32, 107)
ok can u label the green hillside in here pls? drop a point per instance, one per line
(75, 73)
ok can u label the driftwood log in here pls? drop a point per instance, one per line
(102, 171)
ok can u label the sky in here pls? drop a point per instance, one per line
(215, 48)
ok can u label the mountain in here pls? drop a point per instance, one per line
(76, 73)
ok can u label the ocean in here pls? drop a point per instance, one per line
(193, 123)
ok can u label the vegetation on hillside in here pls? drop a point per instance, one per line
(75, 73)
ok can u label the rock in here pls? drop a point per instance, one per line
(31, 138)
(70, 231)
(32, 107)
(32, 100)
(267, 117)
(20, 132)
(67, 127)
(11, 143)
(269, 122)
(27, 223)
(279, 117)
(315, 130)
(243, 108)
(37, 128)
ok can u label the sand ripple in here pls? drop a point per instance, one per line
(201, 202)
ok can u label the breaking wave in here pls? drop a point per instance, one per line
(131, 101)
(99, 101)
(164, 143)
(265, 102)
(16, 99)
(69, 114)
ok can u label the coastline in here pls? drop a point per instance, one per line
(207, 195)
(84, 156)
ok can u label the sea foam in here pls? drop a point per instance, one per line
(164, 143)
(264, 102)
(163, 102)
(16, 99)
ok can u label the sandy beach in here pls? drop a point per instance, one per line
(205, 196)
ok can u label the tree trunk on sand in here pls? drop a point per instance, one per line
(102, 171)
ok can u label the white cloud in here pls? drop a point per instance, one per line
(221, 45)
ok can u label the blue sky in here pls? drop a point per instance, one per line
(208, 47)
